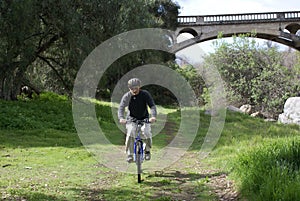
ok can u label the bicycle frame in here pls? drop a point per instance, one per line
(139, 147)
(138, 143)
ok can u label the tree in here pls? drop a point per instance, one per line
(18, 31)
(254, 74)
(49, 39)
(151, 18)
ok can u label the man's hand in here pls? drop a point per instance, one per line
(152, 119)
(123, 121)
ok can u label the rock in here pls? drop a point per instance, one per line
(234, 109)
(246, 109)
(211, 113)
(257, 114)
(270, 120)
(291, 111)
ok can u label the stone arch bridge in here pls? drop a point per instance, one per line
(281, 27)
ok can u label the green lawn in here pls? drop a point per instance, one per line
(42, 158)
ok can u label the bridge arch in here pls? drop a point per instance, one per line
(293, 28)
(191, 31)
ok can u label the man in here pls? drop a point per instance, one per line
(137, 101)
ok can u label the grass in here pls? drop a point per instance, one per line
(241, 133)
(42, 158)
(43, 165)
(271, 170)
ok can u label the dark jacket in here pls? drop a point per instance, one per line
(137, 105)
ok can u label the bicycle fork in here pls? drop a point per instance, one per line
(138, 150)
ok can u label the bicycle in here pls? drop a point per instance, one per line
(138, 147)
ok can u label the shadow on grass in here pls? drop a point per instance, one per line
(159, 186)
(176, 185)
(178, 176)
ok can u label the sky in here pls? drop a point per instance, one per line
(212, 7)
(215, 7)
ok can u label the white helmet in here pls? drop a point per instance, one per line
(134, 82)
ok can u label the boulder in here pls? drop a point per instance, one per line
(257, 114)
(291, 111)
(247, 109)
(234, 109)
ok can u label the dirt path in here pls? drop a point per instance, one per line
(218, 182)
(223, 188)
(184, 180)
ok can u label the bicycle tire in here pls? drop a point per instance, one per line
(139, 148)
(139, 178)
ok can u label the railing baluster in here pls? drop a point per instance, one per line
(236, 18)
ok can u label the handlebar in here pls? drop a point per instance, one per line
(134, 120)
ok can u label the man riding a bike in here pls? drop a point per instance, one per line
(137, 101)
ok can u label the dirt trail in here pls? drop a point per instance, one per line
(188, 176)
(223, 188)
(218, 182)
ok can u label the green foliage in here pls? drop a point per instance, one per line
(194, 79)
(50, 96)
(161, 95)
(191, 75)
(271, 171)
(167, 19)
(43, 43)
(255, 75)
(127, 63)
(47, 111)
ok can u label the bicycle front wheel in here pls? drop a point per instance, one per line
(139, 155)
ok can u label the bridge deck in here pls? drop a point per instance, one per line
(282, 27)
(239, 18)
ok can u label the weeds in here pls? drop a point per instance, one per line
(271, 171)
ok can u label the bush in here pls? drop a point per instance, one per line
(270, 171)
(47, 111)
(256, 75)
(50, 96)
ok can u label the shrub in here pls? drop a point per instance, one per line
(47, 111)
(256, 75)
(50, 96)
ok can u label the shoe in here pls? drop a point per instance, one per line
(147, 155)
(129, 158)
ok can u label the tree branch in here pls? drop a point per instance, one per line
(56, 72)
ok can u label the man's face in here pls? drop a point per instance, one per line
(134, 90)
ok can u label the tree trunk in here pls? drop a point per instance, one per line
(6, 82)
(10, 82)
(17, 82)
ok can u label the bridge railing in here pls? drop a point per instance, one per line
(238, 18)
